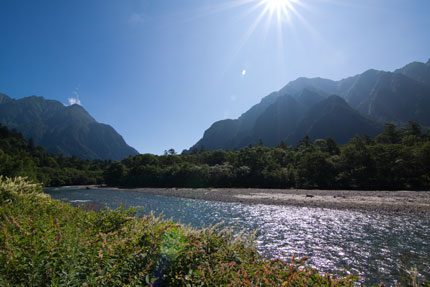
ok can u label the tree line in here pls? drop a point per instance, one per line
(19, 157)
(398, 158)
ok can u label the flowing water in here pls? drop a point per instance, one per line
(375, 246)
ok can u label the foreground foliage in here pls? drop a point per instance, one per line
(48, 243)
(395, 159)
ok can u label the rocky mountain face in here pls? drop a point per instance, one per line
(228, 134)
(323, 108)
(62, 130)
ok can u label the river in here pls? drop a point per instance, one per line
(375, 246)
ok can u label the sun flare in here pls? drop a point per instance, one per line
(280, 8)
(276, 5)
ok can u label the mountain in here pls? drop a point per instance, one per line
(305, 106)
(4, 98)
(278, 121)
(290, 119)
(418, 71)
(333, 117)
(62, 130)
(229, 134)
(397, 98)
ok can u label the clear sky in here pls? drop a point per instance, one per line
(162, 71)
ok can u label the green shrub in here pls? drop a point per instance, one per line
(10, 188)
(49, 243)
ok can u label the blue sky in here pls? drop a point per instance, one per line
(162, 71)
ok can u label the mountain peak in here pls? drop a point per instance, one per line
(331, 103)
(309, 97)
(78, 112)
(4, 98)
(417, 71)
(336, 99)
(304, 106)
(34, 98)
(370, 73)
(333, 117)
(296, 87)
(63, 130)
(76, 107)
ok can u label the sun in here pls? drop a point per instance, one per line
(280, 9)
(277, 18)
(277, 6)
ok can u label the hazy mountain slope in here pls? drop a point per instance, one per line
(309, 97)
(360, 88)
(63, 130)
(218, 135)
(317, 84)
(333, 117)
(418, 71)
(396, 97)
(247, 119)
(278, 121)
(231, 134)
(361, 91)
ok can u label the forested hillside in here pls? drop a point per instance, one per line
(19, 157)
(393, 160)
(63, 130)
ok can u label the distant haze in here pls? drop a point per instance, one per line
(161, 72)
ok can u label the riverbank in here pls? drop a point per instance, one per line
(50, 243)
(384, 201)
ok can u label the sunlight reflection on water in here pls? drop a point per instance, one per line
(365, 243)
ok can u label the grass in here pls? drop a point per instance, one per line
(45, 242)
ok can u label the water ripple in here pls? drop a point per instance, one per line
(372, 245)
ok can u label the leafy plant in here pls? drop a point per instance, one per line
(49, 243)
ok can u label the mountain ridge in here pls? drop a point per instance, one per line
(333, 117)
(64, 130)
(376, 96)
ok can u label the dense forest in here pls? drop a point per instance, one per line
(19, 157)
(397, 158)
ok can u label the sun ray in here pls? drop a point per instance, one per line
(195, 14)
(279, 16)
(251, 30)
(303, 21)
